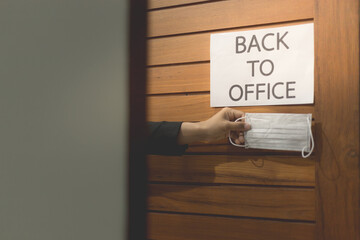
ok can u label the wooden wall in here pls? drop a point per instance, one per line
(218, 191)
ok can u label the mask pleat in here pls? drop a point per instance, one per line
(278, 131)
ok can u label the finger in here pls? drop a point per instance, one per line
(237, 137)
(238, 126)
(234, 135)
(234, 114)
(241, 139)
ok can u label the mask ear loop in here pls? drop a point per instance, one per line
(312, 142)
(231, 141)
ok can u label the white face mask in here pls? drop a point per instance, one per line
(279, 131)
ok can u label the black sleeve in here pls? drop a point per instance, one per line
(162, 138)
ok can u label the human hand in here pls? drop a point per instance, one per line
(215, 128)
(222, 124)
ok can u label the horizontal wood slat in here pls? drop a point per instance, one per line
(235, 169)
(226, 14)
(264, 202)
(152, 4)
(179, 49)
(179, 78)
(189, 227)
(193, 47)
(197, 108)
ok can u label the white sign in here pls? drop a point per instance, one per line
(272, 66)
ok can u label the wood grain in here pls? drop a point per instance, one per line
(179, 78)
(226, 14)
(153, 4)
(196, 107)
(336, 111)
(193, 47)
(337, 81)
(264, 170)
(264, 202)
(179, 49)
(189, 227)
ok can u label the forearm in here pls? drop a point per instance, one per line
(192, 132)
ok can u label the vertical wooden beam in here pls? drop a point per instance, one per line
(337, 111)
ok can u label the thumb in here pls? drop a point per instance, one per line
(238, 126)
